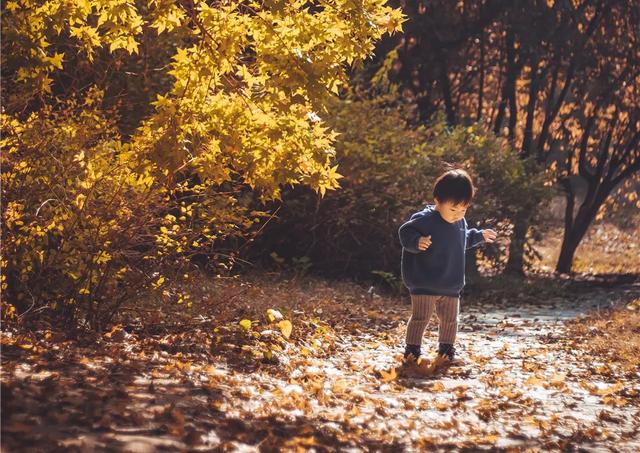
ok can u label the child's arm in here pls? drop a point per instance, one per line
(476, 237)
(410, 236)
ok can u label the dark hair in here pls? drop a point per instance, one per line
(454, 186)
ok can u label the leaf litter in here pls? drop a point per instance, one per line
(322, 370)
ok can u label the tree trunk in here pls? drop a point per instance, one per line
(575, 230)
(507, 96)
(481, 82)
(445, 86)
(531, 108)
(570, 243)
(566, 256)
(567, 251)
(515, 263)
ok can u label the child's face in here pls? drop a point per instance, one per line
(451, 212)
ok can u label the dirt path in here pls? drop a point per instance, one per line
(521, 388)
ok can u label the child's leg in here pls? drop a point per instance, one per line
(447, 310)
(422, 309)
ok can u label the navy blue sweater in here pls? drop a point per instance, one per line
(438, 270)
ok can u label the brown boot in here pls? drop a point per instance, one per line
(448, 351)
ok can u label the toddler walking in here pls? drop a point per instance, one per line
(434, 241)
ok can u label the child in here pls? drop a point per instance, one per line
(433, 253)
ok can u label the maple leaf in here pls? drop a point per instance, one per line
(388, 376)
(285, 327)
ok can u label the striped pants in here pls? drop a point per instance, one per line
(447, 309)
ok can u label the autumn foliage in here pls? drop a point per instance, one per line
(558, 79)
(99, 196)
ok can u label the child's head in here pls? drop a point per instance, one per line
(453, 193)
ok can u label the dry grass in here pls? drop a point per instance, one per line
(226, 300)
(613, 334)
(607, 248)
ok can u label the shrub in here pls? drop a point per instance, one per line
(389, 169)
(88, 223)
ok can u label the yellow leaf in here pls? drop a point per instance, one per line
(245, 324)
(158, 282)
(79, 201)
(285, 327)
(56, 60)
(132, 45)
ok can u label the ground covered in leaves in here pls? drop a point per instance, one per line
(274, 365)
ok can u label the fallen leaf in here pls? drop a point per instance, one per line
(285, 327)
(533, 380)
(274, 315)
(388, 376)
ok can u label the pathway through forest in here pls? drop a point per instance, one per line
(333, 388)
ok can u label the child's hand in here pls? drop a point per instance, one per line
(489, 235)
(424, 242)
